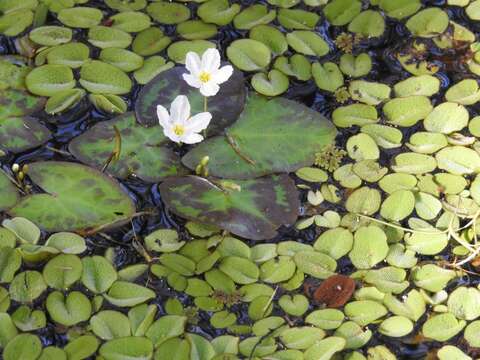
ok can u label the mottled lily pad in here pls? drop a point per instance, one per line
(237, 209)
(141, 153)
(249, 151)
(225, 107)
(96, 200)
(8, 192)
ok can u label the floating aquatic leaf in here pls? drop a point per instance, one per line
(432, 277)
(97, 200)
(270, 36)
(68, 310)
(150, 41)
(63, 271)
(355, 66)
(218, 12)
(407, 111)
(295, 305)
(225, 107)
(307, 43)
(341, 12)
(23, 346)
(196, 30)
(141, 154)
(110, 324)
(396, 326)
(368, 23)
(423, 85)
(400, 9)
(252, 16)
(297, 66)
(447, 118)
(247, 152)
(73, 55)
(442, 327)
(369, 247)
(80, 17)
(27, 319)
(412, 163)
(354, 114)
(301, 337)
(15, 22)
(458, 160)
(364, 312)
(315, 264)
(102, 78)
(248, 54)
(168, 13)
(127, 347)
(463, 303)
(8, 192)
(131, 21)
(370, 93)
(27, 286)
(63, 100)
(127, 294)
(327, 76)
(428, 22)
(48, 80)
(297, 19)
(50, 35)
(272, 84)
(178, 50)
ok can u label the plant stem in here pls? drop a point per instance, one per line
(205, 104)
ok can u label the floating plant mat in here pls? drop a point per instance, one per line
(330, 212)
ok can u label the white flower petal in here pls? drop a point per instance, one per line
(209, 89)
(192, 80)
(210, 61)
(222, 74)
(163, 116)
(192, 138)
(193, 63)
(198, 122)
(180, 110)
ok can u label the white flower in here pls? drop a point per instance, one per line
(206, 74)
(178, 126)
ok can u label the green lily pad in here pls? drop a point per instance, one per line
(27, 286)
(10, 262)
(249, 54)
(225, 107)
(354, 114)
(68, 310)
(47, 80)
(297, 19)
(168, 13)
(127, 294)
(124, 6)
(73, 210)
(432, 277)
(368, 23)
(178, 50)
(270, 36)
(102, 78)
(385, 136)
(8, 192)
(407, 111)
(203, 199)
(63, 100)
(23, 346)
(297, 66)
(218, 12)
(105, 37)
(369, 247)
(27, 319)
(396, 326)
(370, 93)
(80, 17)
(465, 92)
(131, 21)
(15, 22)
(72, 55)
(429, 22)
(447, 118)
(249, 151)
(307, 43)
(130, 347)
(316, 264)
(272, 84)
(364, 312)
(327, 76)
(98, 274)
(110, 324)
(50, 35)
(196, 30)
(141, 154)
(442, 327)
(356, 66)
(400, 9)
(62, 271)
(463, 303)
(150, 41)
(341, 12)
(82, 347)
(398, 205)
(423, 85)
(254, 15)
(458, 160)
(152, 66)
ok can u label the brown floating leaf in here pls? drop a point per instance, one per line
(335, 291)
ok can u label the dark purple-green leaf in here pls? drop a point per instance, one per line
(141, 150)
(225, 107)
(253, 209)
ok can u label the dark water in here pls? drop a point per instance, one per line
(147, 197)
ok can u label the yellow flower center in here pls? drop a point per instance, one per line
(205, 77)
(179, 130)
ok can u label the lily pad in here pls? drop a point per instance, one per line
(96, 200)
(50, 35)
(225, 107)
(238, 208)
(249, 151)
(368, 24)
(249, 54)
(341, 12)
(47, 80)
(307, 43)
(166, 12)
(8, 192)
(18, 134)
(150, 41)
(130, 347)
(68, 310)
(105, 37)
(99, 77)
(442, 327)
(428, 22)
(254, 15)
(80, 17)
(369, 247)
(141, 152)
